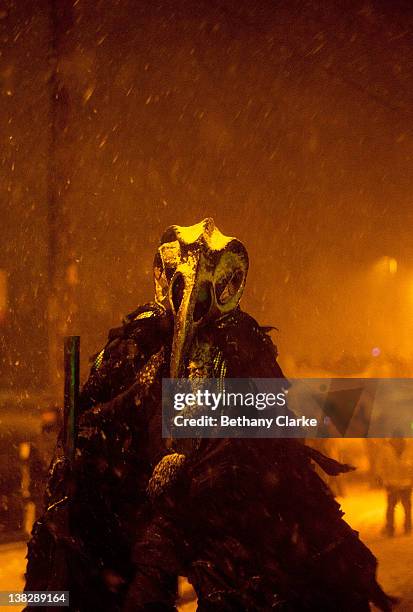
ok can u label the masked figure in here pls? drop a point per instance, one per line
(247, 521)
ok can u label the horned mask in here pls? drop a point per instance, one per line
(199, 277)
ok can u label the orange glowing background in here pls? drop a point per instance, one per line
(288, 122)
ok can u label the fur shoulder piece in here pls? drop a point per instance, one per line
(247, 347)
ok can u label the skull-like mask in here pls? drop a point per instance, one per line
(199, 275)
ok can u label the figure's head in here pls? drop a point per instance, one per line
(199, 276)
(398, 442)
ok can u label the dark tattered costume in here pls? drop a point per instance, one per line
(247, 521)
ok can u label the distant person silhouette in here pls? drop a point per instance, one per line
(395, 469)
(41, 454)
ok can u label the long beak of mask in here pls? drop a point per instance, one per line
(199, 275)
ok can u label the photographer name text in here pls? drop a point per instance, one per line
(244, 421)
